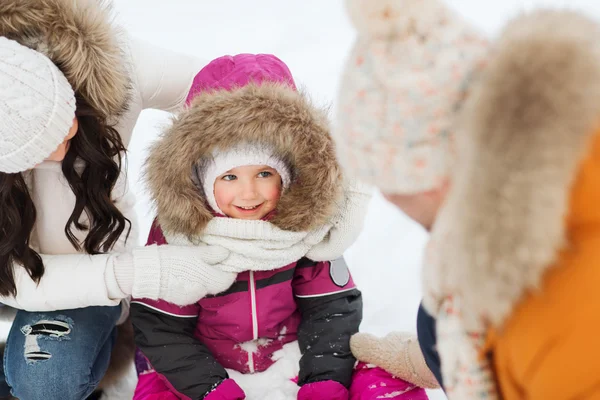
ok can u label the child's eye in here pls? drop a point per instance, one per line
(264, 174)
(229, 177)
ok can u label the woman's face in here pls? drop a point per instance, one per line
(421, 207)
(61, 151)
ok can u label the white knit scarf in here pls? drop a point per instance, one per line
(466, 371)
(261, 246)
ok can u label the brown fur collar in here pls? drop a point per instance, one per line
(79, 38)
(525, 130)
(269, 114)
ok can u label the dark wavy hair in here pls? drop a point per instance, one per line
(91, 167)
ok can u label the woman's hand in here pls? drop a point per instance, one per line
(181, 275)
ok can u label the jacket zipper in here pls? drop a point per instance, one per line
(252, 285)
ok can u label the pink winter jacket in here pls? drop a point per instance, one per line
(315, 303)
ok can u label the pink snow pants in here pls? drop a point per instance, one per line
(368, 383)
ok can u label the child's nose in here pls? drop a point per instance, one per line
(249, 191)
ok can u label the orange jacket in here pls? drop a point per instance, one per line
(550, 346)
(517, 243)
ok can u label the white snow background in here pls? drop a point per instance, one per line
(313, 37)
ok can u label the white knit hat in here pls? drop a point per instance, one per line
(37, 107)
(244, 154)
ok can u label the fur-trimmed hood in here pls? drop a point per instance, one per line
(79, 37)
(271, 114)
(526, 128)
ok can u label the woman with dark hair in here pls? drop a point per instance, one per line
(71, 89)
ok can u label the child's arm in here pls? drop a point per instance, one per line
(331, 309)
(164, 332)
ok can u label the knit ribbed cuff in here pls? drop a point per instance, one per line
(146, 283)
(123, 273)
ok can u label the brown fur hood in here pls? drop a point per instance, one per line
(77, 35)
(270, 114)
(525, 129)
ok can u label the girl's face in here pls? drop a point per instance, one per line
(248, 192)
(61, 151)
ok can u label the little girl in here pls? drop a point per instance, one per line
(250, 166)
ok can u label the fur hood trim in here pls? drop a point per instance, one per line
(525, 130)
(79, 37)
(267, 114)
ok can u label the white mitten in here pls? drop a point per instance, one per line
(347, 223)
(178, 274)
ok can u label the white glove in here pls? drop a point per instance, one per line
(181, 275)
(347, 223)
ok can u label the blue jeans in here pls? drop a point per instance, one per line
(60, 354)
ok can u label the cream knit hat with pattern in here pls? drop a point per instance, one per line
(401, 92)
(37, 107)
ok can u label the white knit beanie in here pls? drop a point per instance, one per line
(244, 154)
(37, 107)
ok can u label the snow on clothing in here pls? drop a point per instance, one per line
(511, 273)
(403, 84)
(267, 305)
(277, 383)
(371, 383)
(278, 259)
(242, 327)
(398, 353)
(121, 76)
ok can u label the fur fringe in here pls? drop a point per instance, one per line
(270, 114)
(79, 37)
(525, 129)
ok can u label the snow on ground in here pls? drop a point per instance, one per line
(313, 38)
